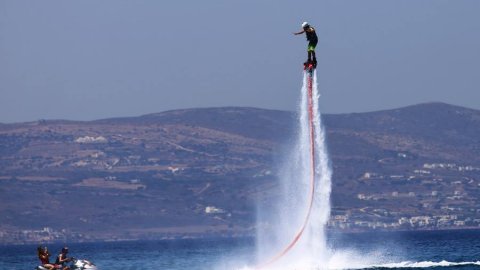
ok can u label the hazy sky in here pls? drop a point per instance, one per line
(93, 59)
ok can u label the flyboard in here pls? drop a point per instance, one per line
(309, 68)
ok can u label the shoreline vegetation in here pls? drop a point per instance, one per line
(181, 237)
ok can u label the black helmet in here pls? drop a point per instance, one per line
(64, 249)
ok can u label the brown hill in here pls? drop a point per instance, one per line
(200, 171)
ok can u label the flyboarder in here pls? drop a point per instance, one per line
(312, 42)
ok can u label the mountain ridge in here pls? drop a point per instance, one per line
(174, 111)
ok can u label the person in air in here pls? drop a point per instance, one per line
(44, 257)
(62, 258)
(312, 41)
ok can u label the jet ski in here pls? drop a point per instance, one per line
(75, 264)
(82, 265)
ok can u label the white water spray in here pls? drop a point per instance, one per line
(293, 204)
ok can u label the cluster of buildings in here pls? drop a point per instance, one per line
(435, 196)
(43, 235)
(344, 222)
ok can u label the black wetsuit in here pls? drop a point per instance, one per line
(312, 43)
(312, 37)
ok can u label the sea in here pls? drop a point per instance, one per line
(449, 249)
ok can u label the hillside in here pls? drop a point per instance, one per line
(199, 172)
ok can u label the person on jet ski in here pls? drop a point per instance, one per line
(44, 257)
(312, 41)
(62, 258)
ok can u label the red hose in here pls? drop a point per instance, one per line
(312, 180)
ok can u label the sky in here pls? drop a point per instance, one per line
(93, 59)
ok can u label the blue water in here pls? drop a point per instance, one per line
(384, 250)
